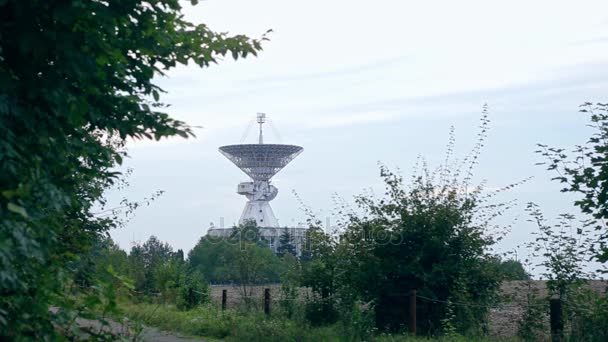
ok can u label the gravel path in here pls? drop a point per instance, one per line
(148, 334)
(155, 335)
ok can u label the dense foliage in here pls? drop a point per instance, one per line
(425, 238)
(157, 273)
(76, 81)
(511, 269)
(286, 244)
(243, 258)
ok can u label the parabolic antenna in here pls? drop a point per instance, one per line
(260, 162)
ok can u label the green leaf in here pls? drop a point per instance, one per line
(17, 209)
(9, 193)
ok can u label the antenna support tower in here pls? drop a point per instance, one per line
(260, 162)
(261, 119)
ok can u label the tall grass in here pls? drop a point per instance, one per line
(210, 322)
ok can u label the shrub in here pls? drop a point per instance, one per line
(320, 311)
(434, 234)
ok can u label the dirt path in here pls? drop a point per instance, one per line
(155, 335)
(148, 334)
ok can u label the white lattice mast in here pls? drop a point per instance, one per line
(260, 162)
(261, 120)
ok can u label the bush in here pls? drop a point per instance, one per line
(533, 324)
(588, 313)
(193, 291)
(428, 236)
(320, 311)
(358, 321)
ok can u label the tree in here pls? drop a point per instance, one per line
(179, 255)
(166, 278)
(154, 253)
(585, 172)
(193, 290)
(76, 81)
(248, 232)
(250, 265)
(510, 269)
(563, 251)
(234, 260)
(93, 266)
(286, 244)
(209, 257)
(145, 261)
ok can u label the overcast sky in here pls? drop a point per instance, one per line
(357, 82)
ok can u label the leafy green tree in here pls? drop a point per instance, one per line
(251, 264)
(210, 257)
(146, 260)
(247, 232)
(76, 81)
(509, 269)
(194, 290)
(93, 265)
(179, 256)
(167, 279)
(243, 262)
(286, 245)
(103, 255)
(585, 171)
(155, 252)
(563, 252)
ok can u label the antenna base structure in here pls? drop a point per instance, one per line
(259, 194)
(260, 162)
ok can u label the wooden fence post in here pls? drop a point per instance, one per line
(224, 297)
(412, 322)
(267, 301)
(556, 320)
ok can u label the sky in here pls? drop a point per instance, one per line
(361, 82)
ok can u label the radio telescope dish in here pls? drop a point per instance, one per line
(260, 162)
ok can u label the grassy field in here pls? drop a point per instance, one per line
(210, 323)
